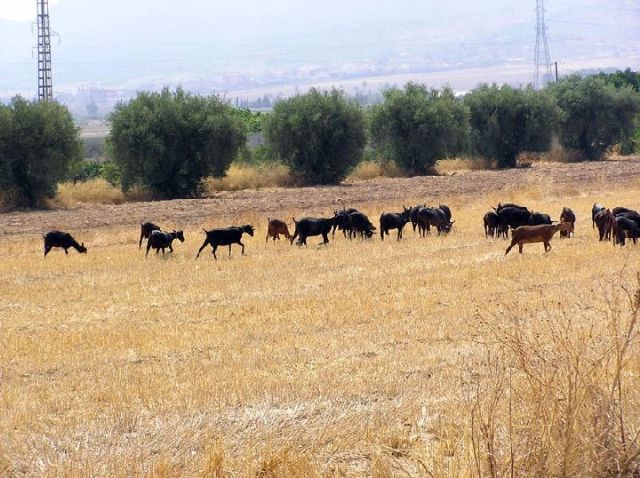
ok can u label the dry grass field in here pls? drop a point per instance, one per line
(424, 357)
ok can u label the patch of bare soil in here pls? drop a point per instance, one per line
(226, 208)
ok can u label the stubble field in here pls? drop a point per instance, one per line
(424, 357)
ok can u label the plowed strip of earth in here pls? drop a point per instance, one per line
(224, 207)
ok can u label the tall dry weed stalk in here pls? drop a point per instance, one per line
(215, 461)
(555, 392)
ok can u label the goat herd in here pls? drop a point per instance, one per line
(527, 227)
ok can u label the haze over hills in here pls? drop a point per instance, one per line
(253, 48)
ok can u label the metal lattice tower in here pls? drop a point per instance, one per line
(45, 84)
(542, 59)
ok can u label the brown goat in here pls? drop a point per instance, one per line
(540, 233)
(604, 222)
(277, 227)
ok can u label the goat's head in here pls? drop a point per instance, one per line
(248, 228)
(82, 249)
(179, 235)
(406, 213)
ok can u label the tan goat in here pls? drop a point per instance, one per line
(277, 227)
(541, 233)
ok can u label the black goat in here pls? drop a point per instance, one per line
(597, 208)
(312, 226)
(538, 218)
(360, 224)
(225, 237)
(491, 222)
(394, 220)
(162, 240)
(513, 217)
(61, 239)
(343, 222)
(413, 215)
(438, 217)
(146, 228)
(509, 204)
(447, 212)
(622, 210)
(624, 227)
(567, 215)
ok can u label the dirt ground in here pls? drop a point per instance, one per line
(222, 208)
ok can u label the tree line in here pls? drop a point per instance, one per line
(170, 141)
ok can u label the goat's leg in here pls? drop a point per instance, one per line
(148, 247)
(206, 241)
(214, 252)
(66, 251)
(520, 247)
(140, 242)
(509, 248)
(170, 248)
(239, 242)
(46, 250)
(547, 246)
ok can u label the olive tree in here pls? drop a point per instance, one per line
(319, 135)
(595, 114)
(507, 121)
(39, 143)
(417, 126)
(170, 141)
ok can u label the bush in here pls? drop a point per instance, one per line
(111, 173)
(169, 142)
(320, 136)
(84, 170)
(416, 127)
(39, 143)
(507, 121)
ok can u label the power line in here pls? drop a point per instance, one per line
(623, 9)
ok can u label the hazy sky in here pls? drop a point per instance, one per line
(117, 40)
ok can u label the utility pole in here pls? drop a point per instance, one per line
(541, 59)
(556, 67)
(45, 83)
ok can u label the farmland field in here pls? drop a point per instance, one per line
(424, 357)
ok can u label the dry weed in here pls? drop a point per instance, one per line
(367, 170)
(253, 177)
(96, 191)
(554, 394)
